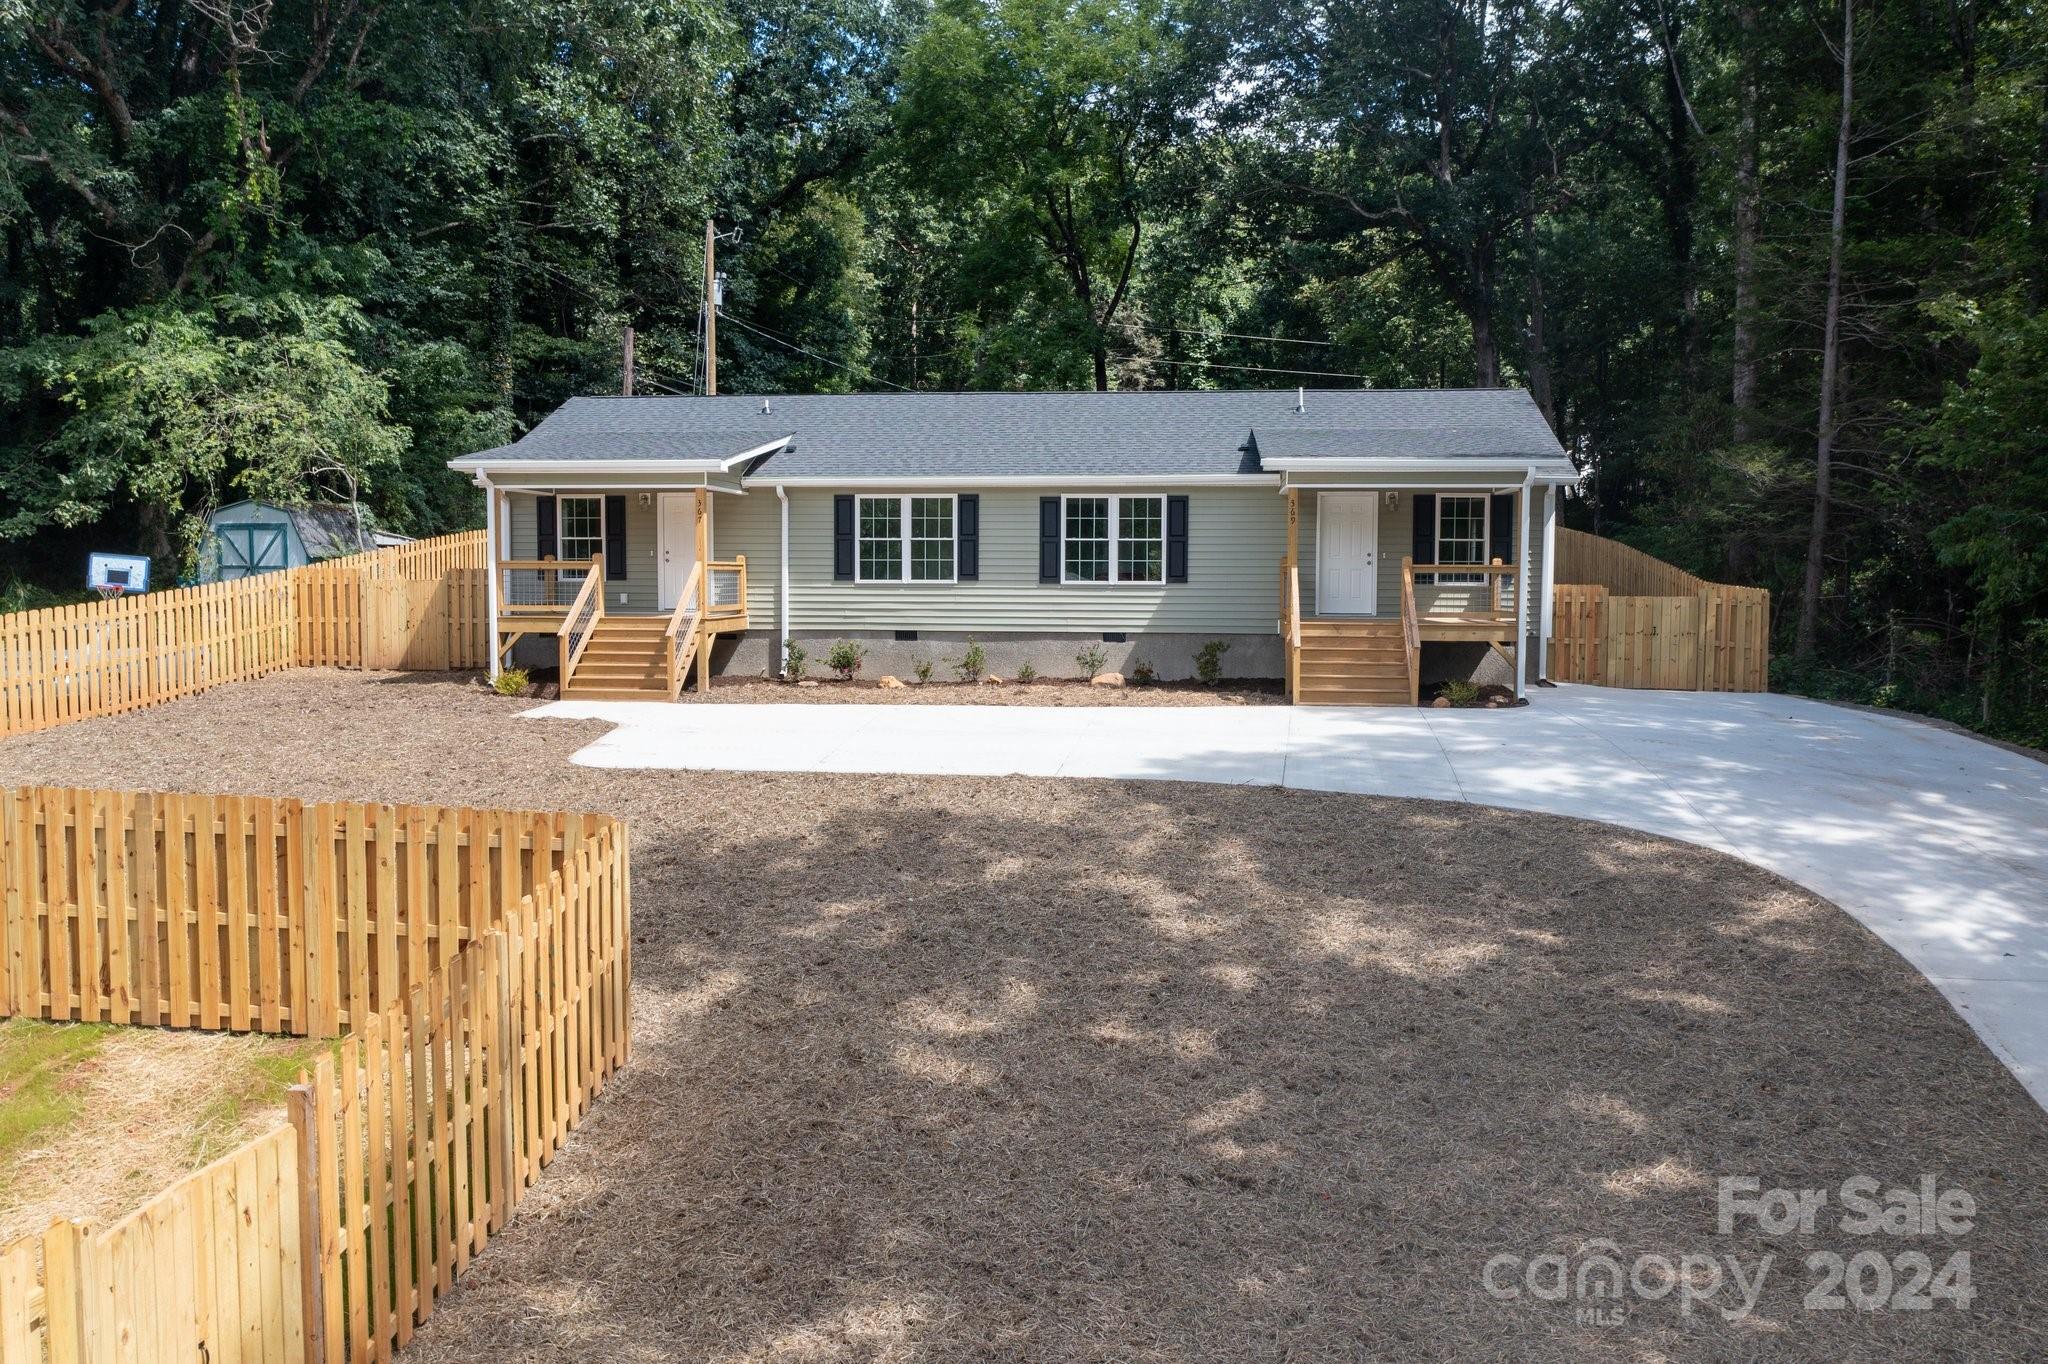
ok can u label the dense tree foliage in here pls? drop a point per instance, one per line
(1777, 274)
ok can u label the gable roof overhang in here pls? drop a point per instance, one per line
(529, 462)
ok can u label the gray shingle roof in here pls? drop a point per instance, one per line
(1394, 442)
(1050, 435)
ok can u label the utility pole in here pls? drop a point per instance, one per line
(626, 364)
(710, 308)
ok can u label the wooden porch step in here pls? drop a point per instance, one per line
(1352, 696)
(1395, 675)
(611, 646)
(1361, 649)
(581, 693)
(618, 674)
(632, 625)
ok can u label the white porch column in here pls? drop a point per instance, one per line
(1522, 584)
(1548, 602)
(780, 661)
(491, 568)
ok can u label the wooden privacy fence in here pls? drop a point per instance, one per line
(211, 1270)
(481, 960)
(419, 605)
(1621, 618)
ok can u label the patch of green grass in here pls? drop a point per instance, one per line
(36, 1061)
(257, 1081)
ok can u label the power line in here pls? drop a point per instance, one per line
(1253, 369)
(804, 350)
(1249, 336)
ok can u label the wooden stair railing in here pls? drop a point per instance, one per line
(1294, 630)
(580, 623)
(685, 633)
(1411, 630)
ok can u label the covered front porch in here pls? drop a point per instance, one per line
(618, 589)
(1377, 568)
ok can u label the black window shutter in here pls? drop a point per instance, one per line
(544, 527)
(1424, 549)
(1048, 539)
(969, 528)
(615, 538)
(1177, 539)
(842, 537)
(1502, 546)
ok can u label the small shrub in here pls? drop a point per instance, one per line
(794, 660)
(1142, 674)
(923, 669)
(1026, 673)
(1209, 661)
(511, 682)
(1460, 693)
(972, 664)
(1092, 660)
(844, 658)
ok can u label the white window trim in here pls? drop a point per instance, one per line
(1116, 501)
(602, 538)
(903, 502)
(1485, 539)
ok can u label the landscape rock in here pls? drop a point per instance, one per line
(1106, 680)
(1441, 703)
(808, 682)
(991, 681)
(890, 683)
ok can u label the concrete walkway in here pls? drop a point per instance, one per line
(1937, 842)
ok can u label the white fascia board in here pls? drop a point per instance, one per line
(541, 468)
(773, 446)
(1029, 481)
(1517, 467)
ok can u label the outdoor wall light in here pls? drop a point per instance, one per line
(1393, 499)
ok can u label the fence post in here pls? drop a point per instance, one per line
(64, 1295)
(312, 1265)
(506, 1073)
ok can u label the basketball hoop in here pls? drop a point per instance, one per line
(109, 591)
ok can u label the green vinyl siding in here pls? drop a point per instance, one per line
(1235, 540)
(1397, 538)
(642, 562)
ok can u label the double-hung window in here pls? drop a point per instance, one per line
(579, 533)
(906, 539)
(1461, 535)
(1113, 539)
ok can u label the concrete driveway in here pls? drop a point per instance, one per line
(1937, 842)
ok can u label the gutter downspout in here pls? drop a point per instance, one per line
(491, 567)
(1548, 604)
(1522, 584)
(782, 590)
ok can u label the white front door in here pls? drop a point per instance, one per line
(678, 543)
(1347, 554)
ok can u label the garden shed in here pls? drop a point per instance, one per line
(253, 537)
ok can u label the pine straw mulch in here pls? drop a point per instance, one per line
(868, 691)
(1017, 1069)
(146, 1106)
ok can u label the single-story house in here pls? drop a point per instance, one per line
(1349, 541)
(246, 538)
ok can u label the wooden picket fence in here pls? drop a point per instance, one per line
(414, 606)
(210, 1270)
(1622, 618)
(479, 958)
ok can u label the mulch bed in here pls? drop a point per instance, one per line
(937, 1069)
(1042, 692)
